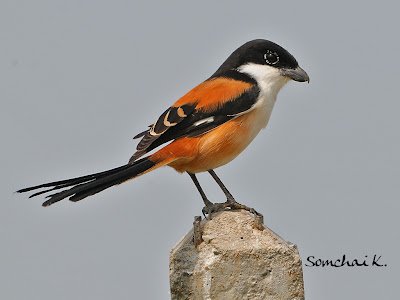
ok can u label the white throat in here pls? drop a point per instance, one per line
(270, 82)
(268, 78)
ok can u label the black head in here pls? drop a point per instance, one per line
(263, 52)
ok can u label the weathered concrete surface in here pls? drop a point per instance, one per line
(238, 259)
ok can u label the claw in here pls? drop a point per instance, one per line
(205, 212)
(228, 205)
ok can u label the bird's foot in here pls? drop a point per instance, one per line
(208, 210)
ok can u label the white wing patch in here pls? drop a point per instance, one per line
(204, 121)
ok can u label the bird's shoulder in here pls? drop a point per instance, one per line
(214, 92)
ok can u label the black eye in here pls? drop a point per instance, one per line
(271, 57)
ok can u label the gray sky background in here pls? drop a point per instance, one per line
(78, 79)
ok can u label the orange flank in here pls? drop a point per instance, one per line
(210, 150)
(214, 92)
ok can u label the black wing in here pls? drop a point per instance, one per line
(186, 120)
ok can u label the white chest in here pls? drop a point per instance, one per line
(270, 82)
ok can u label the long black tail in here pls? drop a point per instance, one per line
(81, 187)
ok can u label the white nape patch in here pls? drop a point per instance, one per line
(204, 121)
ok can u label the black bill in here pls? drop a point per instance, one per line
(297, 74)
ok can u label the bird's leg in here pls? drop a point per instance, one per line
(230, 203)
(229, 197)
(230, 200)
(209, 207)
(207, 202)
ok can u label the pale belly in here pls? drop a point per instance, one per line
(221, 145)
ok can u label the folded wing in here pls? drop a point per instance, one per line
(207, 106)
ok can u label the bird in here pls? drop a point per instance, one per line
(205, 129)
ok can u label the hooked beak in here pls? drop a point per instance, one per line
(297, 74)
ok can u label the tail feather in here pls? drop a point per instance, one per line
(84, 186)
(105, 181)
(79, 196)
(72, 181)
(48, 190)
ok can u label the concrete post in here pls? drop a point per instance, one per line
(236, 257)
